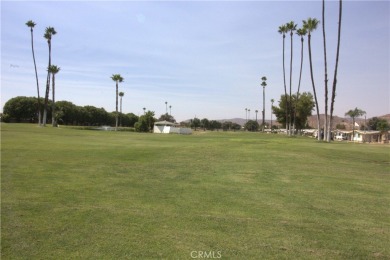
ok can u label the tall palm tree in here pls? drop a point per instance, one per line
(246, 114)
(166, 107)
(170, 110)
(256, 111)
(291, 27)
(326, 72)
(300, 32)
(121, 94)
(31, 24)
(353, 114)
(272, 104)
(53, 71)
(311, 25)
(117, 78)
(49, 32)
(335, 71)
(144, 110)
(263, 84)
(283, 30)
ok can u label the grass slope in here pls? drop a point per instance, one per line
(70, 193)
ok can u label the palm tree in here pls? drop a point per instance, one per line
(53, 69)
(283, 30)
(31, 24)
(246, 114)
(166, 107)
(335, 71)
(353, 114)
(170, 110)
(144, 110)
(272, 104)
(310, 25)
(263, 84)
(326, 72)
(117, 78)
(256, 111)
(121, 94)
(300, 32)
(291, 27)
(49, 32)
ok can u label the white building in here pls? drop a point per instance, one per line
(166, 127)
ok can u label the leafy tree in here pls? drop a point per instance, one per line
(130, 119)
(142, 125)
(66, 112)
(236, 127)
(22, 109)
(49, 32)
(117, 78)
(353, 114)
(145, 122)
(215, 125)
(53, 69)
(378, 124)
(195, 123)
(252, 126)
(167, 117)
(31, 24)
(311, 25)
(205, 124)
(304, 107)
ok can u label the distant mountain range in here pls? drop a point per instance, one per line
(312, 120)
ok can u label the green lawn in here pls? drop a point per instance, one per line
(68, 193)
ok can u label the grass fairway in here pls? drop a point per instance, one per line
(78, 194)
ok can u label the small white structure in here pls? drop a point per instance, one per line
(342, 135)
(166, 127)
(371, 136)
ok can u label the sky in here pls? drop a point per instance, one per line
(204, 58)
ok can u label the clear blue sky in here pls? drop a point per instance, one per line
(204, 58)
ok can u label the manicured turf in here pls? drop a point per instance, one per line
(81, 194)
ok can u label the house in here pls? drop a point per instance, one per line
(341, 135)
(371, 136)
(166, 127)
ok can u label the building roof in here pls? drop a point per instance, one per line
(164, 123)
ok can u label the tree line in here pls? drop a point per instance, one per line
(24, 109)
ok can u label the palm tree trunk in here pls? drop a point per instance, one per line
(36, 77)
(335, 70)
(314, 89)
(326, 72)
(290, 107)
(47, 88)
(285, 87)
(299, 85)
(53, 106)
(120, 122)
(116, 107)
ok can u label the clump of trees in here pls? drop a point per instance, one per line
(23, 109)
(302, 105)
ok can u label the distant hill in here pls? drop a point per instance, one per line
(312, 121)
